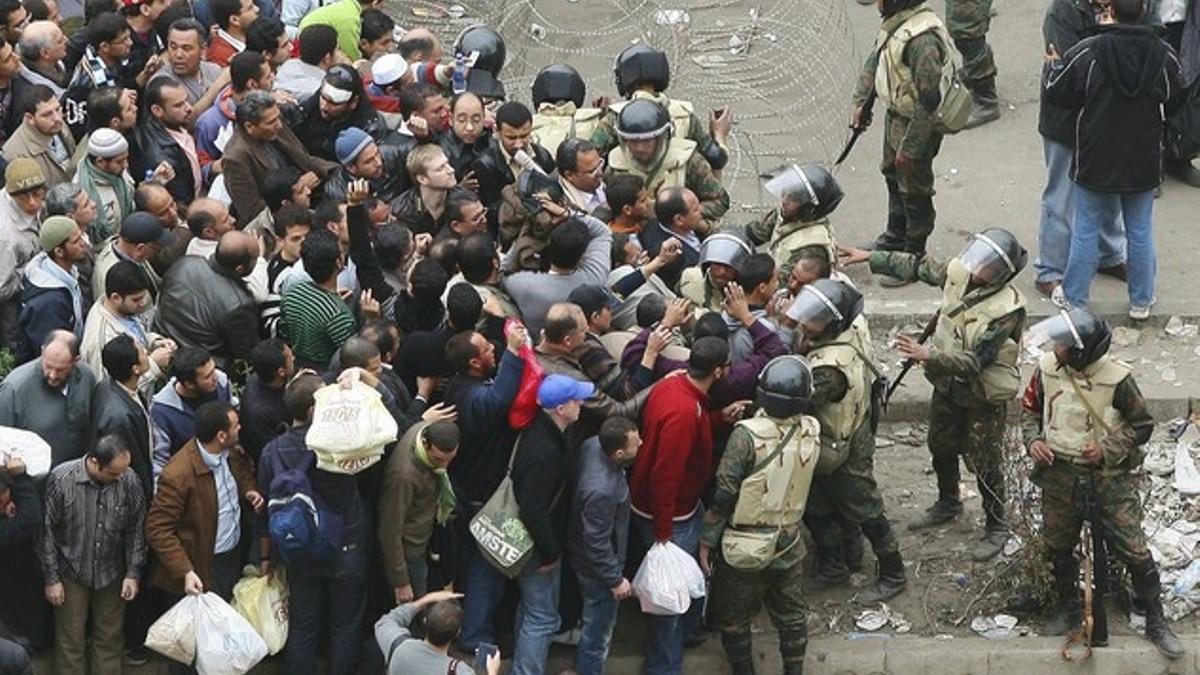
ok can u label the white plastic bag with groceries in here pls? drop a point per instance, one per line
(668, 580)
(350, 426)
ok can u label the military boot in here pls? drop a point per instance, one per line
(985, 103)
(892, 237)
(1147, 586)
(852, 545)
(991, 492)
(948, 506)
(891, 582)
(1068, 614)
(831, 566)
(793, 643)
(739, 650)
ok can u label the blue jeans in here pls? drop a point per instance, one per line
(335, 594)
(1093, 210)
(1058, 210)
(537, 619)
(665, 634)
(599, 617)
(482, 584)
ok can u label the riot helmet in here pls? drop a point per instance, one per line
(725, 248)
(1076, 334)
(645, 120)
(785, 387)
(486, 43)
(637, 64)
(557, 83)
(484, 84)
(826, 308)
(811, 187)
(993, 257)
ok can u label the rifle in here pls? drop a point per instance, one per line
(909, 363)
(864, 121)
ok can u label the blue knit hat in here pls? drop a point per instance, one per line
(349, 143)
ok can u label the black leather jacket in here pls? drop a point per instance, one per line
(391, 185)
(152, 145)
(319, 135)
(202, 305)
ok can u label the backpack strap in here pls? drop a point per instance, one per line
(778, 449)
(870, 366)
(452, 669)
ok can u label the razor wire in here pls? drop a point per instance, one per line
(786, 68)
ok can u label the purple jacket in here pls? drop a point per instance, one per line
(739, 384)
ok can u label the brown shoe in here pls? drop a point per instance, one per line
(1118, 271)
(1046, 288)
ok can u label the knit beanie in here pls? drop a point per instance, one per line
(55, 230)
(349, 143)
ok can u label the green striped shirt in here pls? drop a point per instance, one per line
(316, 322)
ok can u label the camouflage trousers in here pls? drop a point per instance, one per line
(737, 596)
(910, 192)
(1070, 492)
(851, 494)
(975, 431)
(968, 22)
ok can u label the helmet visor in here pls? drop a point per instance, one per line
(794, 184)
(987, 262)
(1058, 330)
(813, 311)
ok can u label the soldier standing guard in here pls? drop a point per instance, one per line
(837, 343)
(754, 522)
(1083, 421)
(972, 365)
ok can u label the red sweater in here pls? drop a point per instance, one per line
(675, 462)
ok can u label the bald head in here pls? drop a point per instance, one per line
(60, 350)
(420, 45)
(563, 322)
(43, 41)
(237, 252)
(209, 219)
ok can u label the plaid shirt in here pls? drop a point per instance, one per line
(93, 532)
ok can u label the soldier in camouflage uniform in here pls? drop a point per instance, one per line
(720, 256)
(649, 149)
(807, 195)
(558, 97)
(751, 538)
(968, 22)
(1085, 448)
(837, 343)
(915, 47)
(644, 73)
(972, 363)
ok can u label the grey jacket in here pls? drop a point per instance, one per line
(599, 524)
(63, 421)
(202, 305)
(406, 654)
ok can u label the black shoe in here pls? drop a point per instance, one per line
(891, 582)
(1118, 271)
(1146, 584)
(136, 656)
(989, 546)
(829, 575)
(1183, 171)
(942, 511)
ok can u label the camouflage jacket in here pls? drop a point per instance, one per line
(1123, 443)
(736, 464)
(924, 56)
(964, 365)
(604, 137)
(700, 179)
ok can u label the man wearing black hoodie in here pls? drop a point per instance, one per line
(1117, 82)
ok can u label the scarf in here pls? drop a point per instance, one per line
(446, 500)
(89, 177)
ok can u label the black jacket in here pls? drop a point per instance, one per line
(1117, 84)
(541, 474)
(319, 135)
(462, 156)
(387, 187)
(487, 440)
(652, 238)
(115, 412)
(151, 146)
(1066, 22)
(200, 305)
(408, 210)
(494, 173)
(263, 416)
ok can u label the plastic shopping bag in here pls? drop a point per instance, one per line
(668, 580)
(263, 601)
(226, 644)
(30, 447)
(174, 634)
(350, 427)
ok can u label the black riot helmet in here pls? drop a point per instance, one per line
(638, 64)
(643, 119)
(811, 187)
(1085, 336)
(557, 83)
(993, 257)
(826, 308)
(487, 43)
(726, 248)
(785, 386)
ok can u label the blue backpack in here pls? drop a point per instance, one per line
(302, 529)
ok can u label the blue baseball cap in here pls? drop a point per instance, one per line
(556, 390)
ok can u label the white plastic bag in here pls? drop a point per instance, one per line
(350, 427)
(263, 601)
(27, 445)
(226, 644)
(668, 580)
(174, 634)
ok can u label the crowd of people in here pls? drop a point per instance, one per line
(214, 210)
